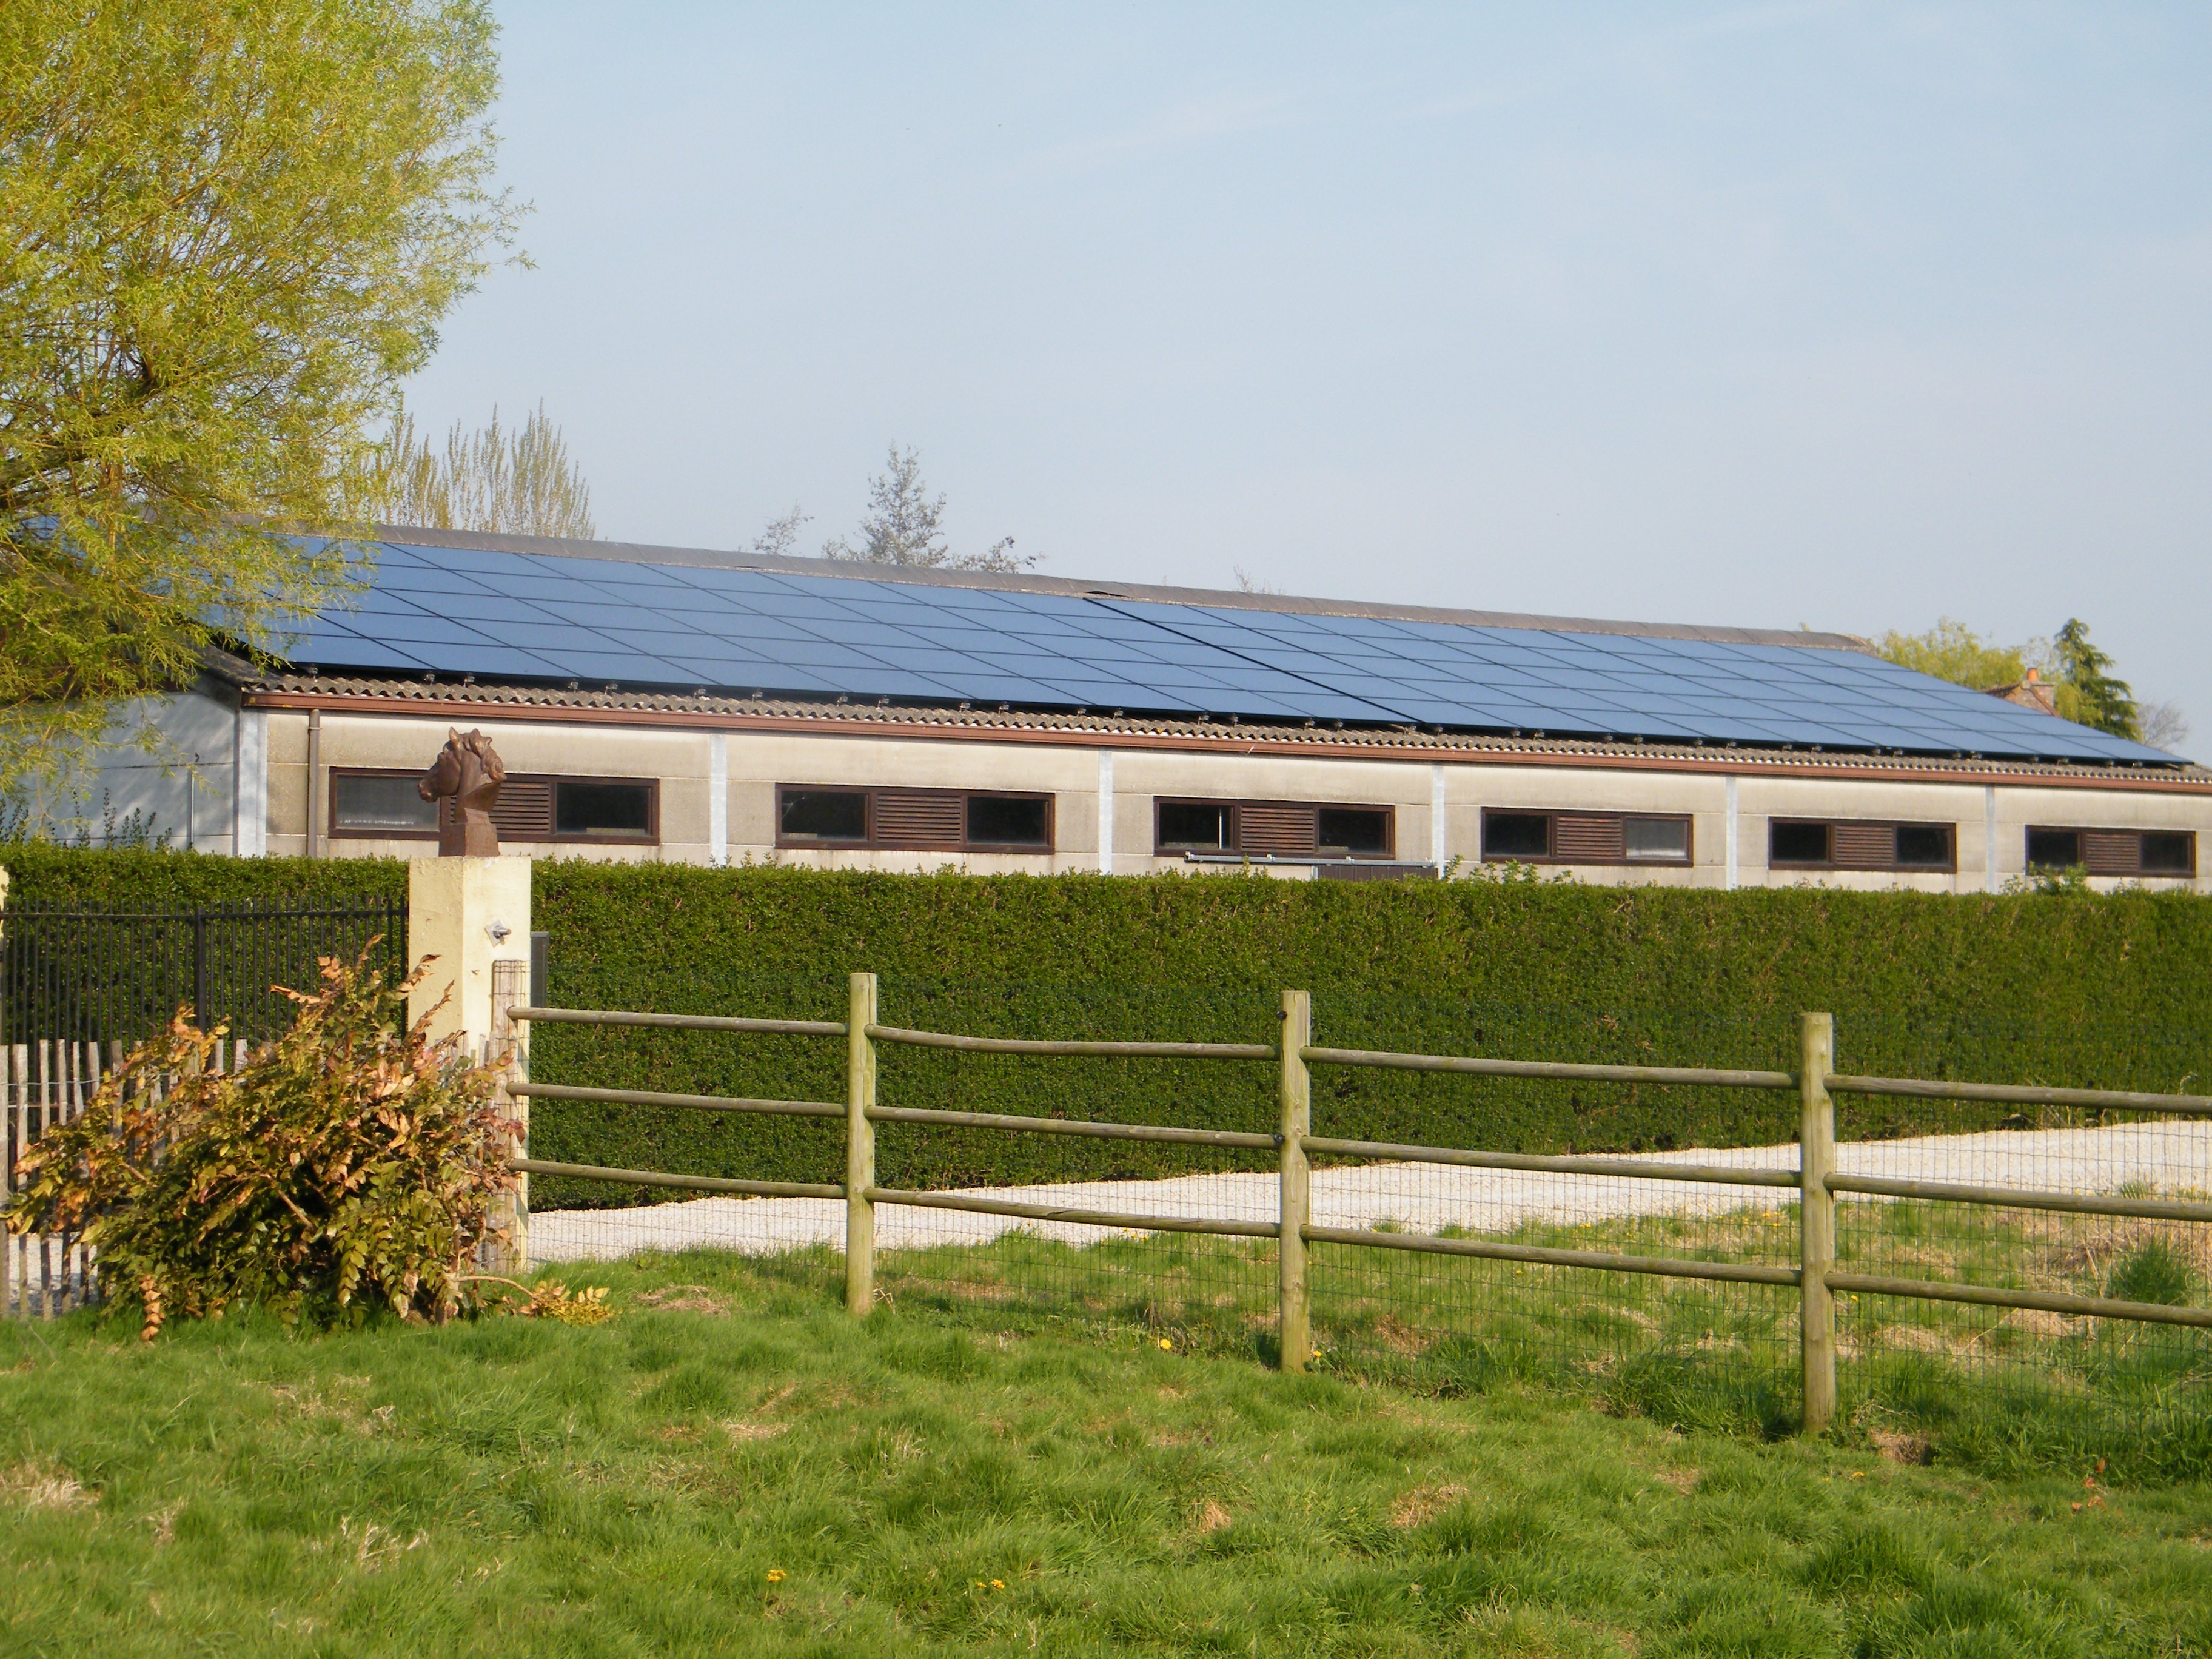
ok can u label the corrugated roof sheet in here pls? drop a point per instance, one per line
(517, 611)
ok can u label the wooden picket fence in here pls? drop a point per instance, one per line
(44, 1085)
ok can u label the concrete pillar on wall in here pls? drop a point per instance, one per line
(1436, 816)
(718, 799)
(1730, 879)
(249, 784)
(469, 913)
(1105, 811)
(1990, 837)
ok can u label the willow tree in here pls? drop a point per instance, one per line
(227, 228)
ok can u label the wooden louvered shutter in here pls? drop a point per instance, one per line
(927, 819)
(2113, 852)
(1279, 828)
(524, 810)
(1864, 846)
(1587, 838)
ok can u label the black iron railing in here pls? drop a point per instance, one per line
(113, 976)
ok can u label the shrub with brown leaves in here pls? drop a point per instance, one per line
(350, 1163)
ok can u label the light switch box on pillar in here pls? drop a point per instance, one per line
(468, 913)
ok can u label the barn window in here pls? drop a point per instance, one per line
(807, 815)
(1655, 840)
(916, 820)
(1008, 821)
(532, 807)
(1585, 838)
(592, 808)
(380, 804)
(2113, 852)
(1274, 829)
(1860, 844)
(1197, 826)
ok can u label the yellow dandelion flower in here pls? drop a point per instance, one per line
(1169, 1346)
(776, 1575)
(998, 1583)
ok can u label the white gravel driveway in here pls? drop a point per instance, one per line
(2162, 1158)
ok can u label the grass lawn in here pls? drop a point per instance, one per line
(742, 1469)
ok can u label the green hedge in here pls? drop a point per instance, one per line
(41, 873)
(2109, 992)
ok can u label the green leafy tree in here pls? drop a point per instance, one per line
(2082, 684)
(904, 525)
(227, 229)
(1952, 651)
(2099, 699)
(519, 483)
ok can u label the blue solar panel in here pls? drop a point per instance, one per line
(533, 615)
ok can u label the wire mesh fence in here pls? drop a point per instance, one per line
(2037, 1382)
(1676, 1346)
(1693, 1343)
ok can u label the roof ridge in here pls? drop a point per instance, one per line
(1071, 587)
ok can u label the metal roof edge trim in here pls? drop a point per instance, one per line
(1427, 748)
(1071, 587)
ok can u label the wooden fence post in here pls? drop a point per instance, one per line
(1816, 1209)
(1295, 1320)
(510, 989)
(859, 1146)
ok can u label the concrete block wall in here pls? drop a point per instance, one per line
(755, 763)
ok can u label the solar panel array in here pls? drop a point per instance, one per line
(506, 615)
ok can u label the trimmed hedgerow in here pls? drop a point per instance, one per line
(41, 873)
(2112, 991)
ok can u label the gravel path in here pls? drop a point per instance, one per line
(2161, 1157)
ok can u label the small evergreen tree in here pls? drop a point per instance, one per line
(2100, 700)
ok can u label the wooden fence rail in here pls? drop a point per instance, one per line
(1815, 1179)
(43, 1085)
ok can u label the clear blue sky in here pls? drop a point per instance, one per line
(1843, 315)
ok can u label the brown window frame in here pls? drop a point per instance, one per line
(552, 781)
(873, 841)
(1621, 861)
(2101, 866)
(1892, 866)
(1238, 807)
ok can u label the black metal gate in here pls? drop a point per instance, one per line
(109, 976)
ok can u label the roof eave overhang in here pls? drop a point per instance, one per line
(1230, 740)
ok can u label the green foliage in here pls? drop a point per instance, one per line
(351, 1158)
(40, 872)
(759, 1474)
(2099, 699)
(2153, 1272)
(228, 228)
(2081, 683)
(516, 483)
(1952, 651)
(2112, 991)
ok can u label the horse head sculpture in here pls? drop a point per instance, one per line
(468, 774)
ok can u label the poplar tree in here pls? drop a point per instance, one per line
(227, 229)
(511, 481)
